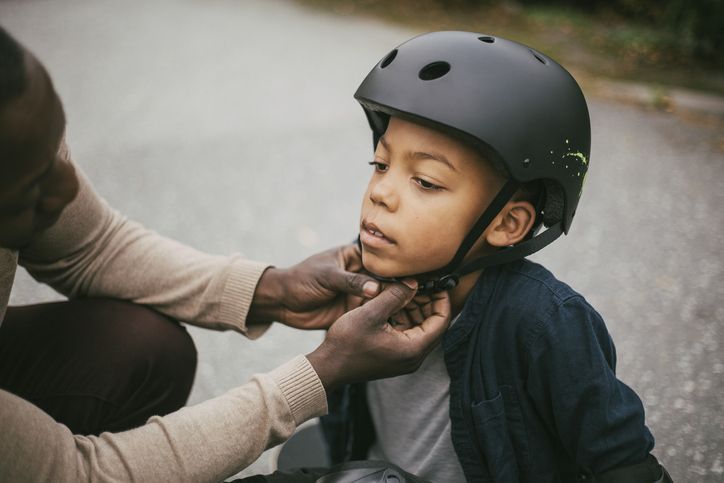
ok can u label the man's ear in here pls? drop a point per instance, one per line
(511, 225)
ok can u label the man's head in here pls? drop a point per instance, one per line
(521, 115)
(36, 182)
(426, 192)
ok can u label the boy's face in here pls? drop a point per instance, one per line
(35, 182)
(426, 192)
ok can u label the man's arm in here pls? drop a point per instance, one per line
(94, 251)
(206, 442)
(219, 437)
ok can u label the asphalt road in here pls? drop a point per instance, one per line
(230, 125)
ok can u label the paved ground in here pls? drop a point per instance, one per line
(230, 125)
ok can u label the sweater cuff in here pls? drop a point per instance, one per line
(302, 389)
(238, 293)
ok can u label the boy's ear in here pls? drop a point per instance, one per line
(511, 225)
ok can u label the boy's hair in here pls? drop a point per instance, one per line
(532, 191)
(12, 68)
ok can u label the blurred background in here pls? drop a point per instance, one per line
(230, 125)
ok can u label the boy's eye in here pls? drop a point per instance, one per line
(379, 167)
(426, 185)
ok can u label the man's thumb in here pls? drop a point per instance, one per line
(392, 299)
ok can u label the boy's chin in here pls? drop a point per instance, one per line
(381, 268)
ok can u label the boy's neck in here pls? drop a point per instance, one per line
(460, 293)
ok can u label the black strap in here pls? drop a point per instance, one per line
(503, 196)
(506, 255)
(649, 471)
(516, 252)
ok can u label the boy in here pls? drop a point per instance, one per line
(480, 143)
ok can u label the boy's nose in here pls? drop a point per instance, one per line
(382, 193)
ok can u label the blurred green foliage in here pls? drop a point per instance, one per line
(674, 43)
(691, 27)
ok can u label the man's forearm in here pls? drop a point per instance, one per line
(206, 442)
(266, 305)
(94, 251)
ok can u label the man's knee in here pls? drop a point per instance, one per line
(129, 361)
(156, 363)
(159, 346)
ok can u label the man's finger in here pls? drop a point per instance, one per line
(423, 336)
(353, 302)
(414, 311)
(351, 258)
(401, 321)
(344, 277)
(351, 283)
(358, 284)
(392, 299)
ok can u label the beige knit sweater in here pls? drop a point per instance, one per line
(94, 251)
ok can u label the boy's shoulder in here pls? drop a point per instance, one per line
(529, 296)
(522, 304)
(524, 279)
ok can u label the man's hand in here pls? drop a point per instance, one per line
(414, 313)
(362, 345)
(314, 293)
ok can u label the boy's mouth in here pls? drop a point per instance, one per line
(371, 235)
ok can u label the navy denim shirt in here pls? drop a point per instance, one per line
(533, 391)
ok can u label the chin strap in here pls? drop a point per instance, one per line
(448, 277)
(504, 255)
(504, 195)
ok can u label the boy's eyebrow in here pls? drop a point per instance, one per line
(423, 154)
(435, 156)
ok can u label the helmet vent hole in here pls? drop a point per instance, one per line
(388, 59)
(434, 70)
(487, 39)
(539, 57)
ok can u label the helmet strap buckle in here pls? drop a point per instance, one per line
(446, 282)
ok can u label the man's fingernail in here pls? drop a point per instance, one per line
(410, 282)
(371, 288)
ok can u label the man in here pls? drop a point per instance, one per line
(107, 364)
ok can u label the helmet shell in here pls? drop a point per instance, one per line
(511, 101)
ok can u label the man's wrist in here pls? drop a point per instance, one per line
(267, 303)
(302, 389)
(325, 369)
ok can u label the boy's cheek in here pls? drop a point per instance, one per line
(366, 261)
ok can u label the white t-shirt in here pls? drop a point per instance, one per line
(411, 416)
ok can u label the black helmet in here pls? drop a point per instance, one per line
(521, 109)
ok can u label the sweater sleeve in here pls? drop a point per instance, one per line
(94, 251)
(207, 442)
(571, 378)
